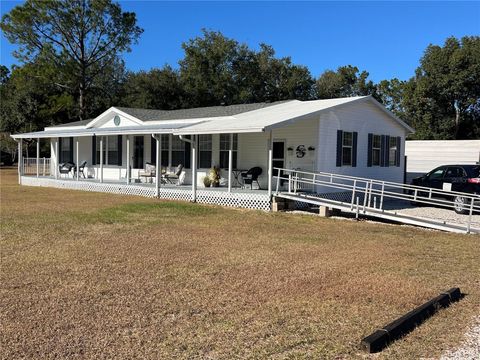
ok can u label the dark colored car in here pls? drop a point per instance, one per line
(461, 178)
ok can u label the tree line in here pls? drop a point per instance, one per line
(72, 69)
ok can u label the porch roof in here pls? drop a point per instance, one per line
(121, 130)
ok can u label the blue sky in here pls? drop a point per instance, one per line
(385, 38)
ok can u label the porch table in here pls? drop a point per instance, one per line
(236, 174)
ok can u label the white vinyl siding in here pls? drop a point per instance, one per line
(364, 118)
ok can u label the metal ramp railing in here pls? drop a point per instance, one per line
(375, 198)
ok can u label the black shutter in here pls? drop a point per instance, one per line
(382, 151)
(153, 150)
(119, 147)
(370, 146)
(354, 148)
(60, 155)
(94, 150)
(399, 146)
(70, 153)
(339, 147)
(188, 153)
(387, 151)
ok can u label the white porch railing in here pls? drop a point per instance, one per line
(369, 194)
(30, 166)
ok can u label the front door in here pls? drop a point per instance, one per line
(138, 152)
(278, 160)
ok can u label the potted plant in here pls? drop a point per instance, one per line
(206, 181)
(214, 176)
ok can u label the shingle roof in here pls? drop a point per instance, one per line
(194, 113)
(74, 123)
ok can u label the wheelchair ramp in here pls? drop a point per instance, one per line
(370, 197)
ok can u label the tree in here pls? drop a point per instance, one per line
(154, 89)
(442, 98)
(346, 81)
(217, 70)
(390, 93)
(206, 69)
(81, 37)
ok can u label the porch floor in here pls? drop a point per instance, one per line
(235, 189)
(238, 197)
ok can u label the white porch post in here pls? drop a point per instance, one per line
(57, 163)
(270, 164)
(128, 159)
(38, 157)
(101, 159)
(230, 158)
(20, 161)
(194, 168)
(76, 160)
(170, 137)
(158, 165)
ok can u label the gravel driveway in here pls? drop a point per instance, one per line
(431, 212)
(470, 349)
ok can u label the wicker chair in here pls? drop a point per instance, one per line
(66, 168)
(148, 172)
(251, 176)
(175, 177)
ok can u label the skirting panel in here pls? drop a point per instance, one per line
(240, 200)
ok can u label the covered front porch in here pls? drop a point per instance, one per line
(132, 151)
(132, 160)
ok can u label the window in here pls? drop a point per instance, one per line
(110, 150)
(347, 146)
(205, 151)
(455, 172)
(436, 174)
(224, 147)
(178, 151)
(376, 149)
(392, 154)
(66, 149)
(165, 145)
(98, 150)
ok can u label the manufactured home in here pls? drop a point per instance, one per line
(120, 150)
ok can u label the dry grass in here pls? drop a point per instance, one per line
(99, 275)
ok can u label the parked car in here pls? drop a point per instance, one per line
(461, 178)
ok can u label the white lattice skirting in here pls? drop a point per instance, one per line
(258, 201)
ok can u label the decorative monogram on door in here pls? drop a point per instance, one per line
(301, 150)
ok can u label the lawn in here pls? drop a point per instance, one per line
(100, 275)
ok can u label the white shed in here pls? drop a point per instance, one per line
(425, 155)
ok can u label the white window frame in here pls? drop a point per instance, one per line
(347, 147)
(392, 160)
(105, 149)
(379, 149)
(205, 145)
